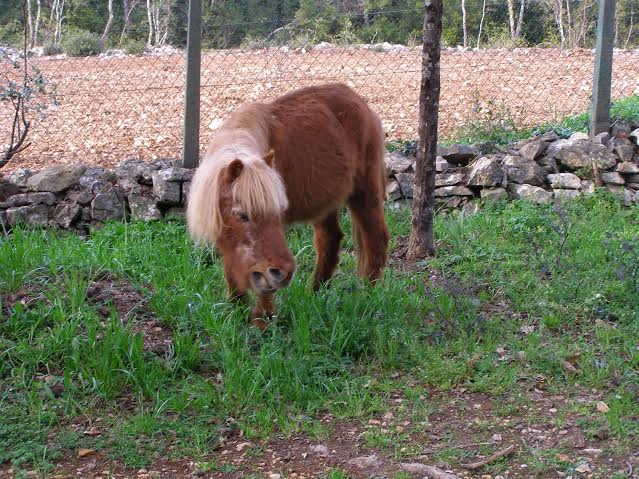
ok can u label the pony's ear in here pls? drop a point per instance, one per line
(269, 158)
(234, 170)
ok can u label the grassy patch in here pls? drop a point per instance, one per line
(502, 305)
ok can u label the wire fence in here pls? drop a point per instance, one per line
(115, 105)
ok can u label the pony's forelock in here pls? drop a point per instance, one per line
(259, 190)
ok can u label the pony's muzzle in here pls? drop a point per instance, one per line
(270, 280)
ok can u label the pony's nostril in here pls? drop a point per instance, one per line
(256, 276)
(277, 274)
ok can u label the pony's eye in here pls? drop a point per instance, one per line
(242, 216)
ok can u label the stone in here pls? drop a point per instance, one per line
(522, 171)
(86, 214)
(601, 138)
(26, 199)
(320, 450)
(397, 163)
(620, 129)
(130, 186)
(625, 151)
(365, 462)
(459, 155)
(453, 191)
(635, 197)
(612, 178)
(7, 189)
(622, 193)
(441, 165)
(20, 176)
(628, 168)
(554, 148)
(406, 184)
(634, 136)
(143, 208)
(100, 173)
(56, 179)
(529, 192)
(393, 191)
(632, 186)
(67, 214)
(92, 184)
(138, 170)
(175, 212)
(449, 201)
(450, 178)
(548, 137)
(108, 204)
(83, 196)
(166, 186)
(583, 154)
(186, 189)
(578, 136)
(548, 164)
(28, 215)
(588, 187)
(426, 471)
(562, 194)
(632, 179)
(486, 171)
(472, 208)
(493, 194)
(565, 181)
(533, 150)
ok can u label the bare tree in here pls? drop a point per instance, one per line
(34, 36)
(159, 16)
(57, 16)
(511, 18)
(520, 21)
(149, 14)
(107, 27)
(422, 241)
(127, 7)
(481, 22)
(30, 20)
(464, 26)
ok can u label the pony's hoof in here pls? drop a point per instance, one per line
(260, 323)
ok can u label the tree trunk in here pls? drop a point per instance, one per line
(422, 241)
(511, 18)
(34, 37)
(481, 22)
(630, 27)
(520, 21)
(107, 28)
(59, 17)
(30, 22)
(464, 26)
(560, 22)
(150, 17)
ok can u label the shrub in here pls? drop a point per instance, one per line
(134, 47)
(52, 49)
(83, 44)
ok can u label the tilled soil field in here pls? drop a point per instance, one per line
(113, 107)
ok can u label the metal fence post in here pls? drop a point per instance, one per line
(191, 133)
(602, 82)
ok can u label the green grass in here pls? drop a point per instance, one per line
(338, 351)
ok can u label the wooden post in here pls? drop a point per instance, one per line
(191, 132)
(602, 81)
(421, 242)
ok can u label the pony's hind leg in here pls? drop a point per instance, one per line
(370, 234)
(327, 238)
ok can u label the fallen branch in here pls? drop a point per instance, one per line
(492, 458)
(431, 472)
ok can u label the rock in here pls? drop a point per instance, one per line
(20, 176)
(406, 183)
(533, 150)
(486, 171)
(108, 204)
(449, 201)
(627, 168)
(144, 208)
(425, 471)
(625, 152)
(548, 164)
(175, 212)
(634, 136)
(561, 194)
(320, 450)
(493, 194)
(459, 155)
(365, 462)
(612, 178)
(528, 192)
(601, 138)
(393, 190)
(7, 189)
(548, 137)
(583, 154)
(28, 215)
(138, 170)
(624, 194)
(565, 181)
(450, 178)
(56, 178)
(26, 199)
(588, 187)
(83, 197)
(130, 186)
(85, 452)
(632, 179)
(186, 189)
(620, 129)
(554, 148)
(441, 165)
(100, 173)
(397, 163)
(471, 208)
(167, 186)
(522, 171)
(66, 214)
(453, 191)
(635, 197)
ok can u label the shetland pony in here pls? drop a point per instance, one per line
(298, 158)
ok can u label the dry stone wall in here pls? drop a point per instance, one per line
(542, 169)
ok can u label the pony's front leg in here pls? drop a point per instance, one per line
(263, 310)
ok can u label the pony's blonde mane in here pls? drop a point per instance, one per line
(259, 189)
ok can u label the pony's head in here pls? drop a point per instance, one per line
(240, 209)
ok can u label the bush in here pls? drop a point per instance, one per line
(51, 49)
(134, 47)
(83, 44)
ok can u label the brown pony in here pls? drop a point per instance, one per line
(296, 159)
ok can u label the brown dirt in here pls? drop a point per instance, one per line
(110, 108)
